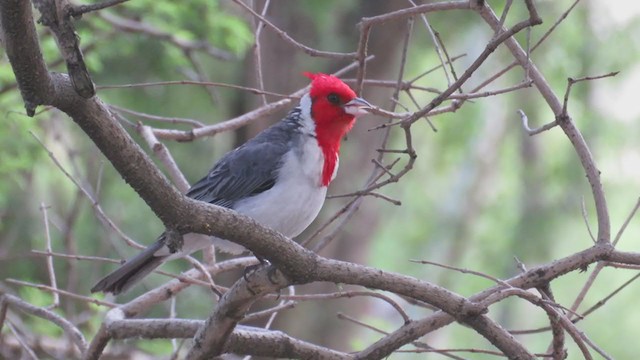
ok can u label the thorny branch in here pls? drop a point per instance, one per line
(221, 332)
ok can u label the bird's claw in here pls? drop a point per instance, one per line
(271, 271)
(271, 274)
(250, 270)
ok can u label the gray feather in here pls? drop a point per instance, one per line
(250, 169)
(132, 270)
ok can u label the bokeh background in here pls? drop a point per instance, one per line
(481, 193)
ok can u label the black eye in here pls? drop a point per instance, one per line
(333, 98)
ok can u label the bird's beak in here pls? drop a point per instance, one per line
(357, 107)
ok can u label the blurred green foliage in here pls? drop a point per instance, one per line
(481, 191)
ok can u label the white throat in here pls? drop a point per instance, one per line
(308, 125)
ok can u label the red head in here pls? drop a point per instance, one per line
(334, 108)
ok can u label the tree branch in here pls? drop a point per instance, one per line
(565, 122)
(63, 323)
(23, 50)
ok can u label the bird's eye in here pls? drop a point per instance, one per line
(333, 98)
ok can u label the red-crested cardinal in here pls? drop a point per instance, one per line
(279, 178)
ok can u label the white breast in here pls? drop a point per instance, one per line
(297, 196)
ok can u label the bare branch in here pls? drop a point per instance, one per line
(309, 51)
(567, 125)
(232, 124)
(285, 305)
(244, 340)
(147, 29)
(257, 53)
(23, 50)
(586, 220)
(49, 259)
(504, 36)
(49, 315)
(421, 9)
(572, 81)
(171, 120)
(79, 10)
(436, 42)
(350, 294)
(221, 333)
(626, 222)
(198, 83)
(56, 16)
(94, 203)
(164, 155)
(62, 292)
(530, 131)
(23, 343)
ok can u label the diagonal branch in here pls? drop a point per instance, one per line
(565, 122)
(504, 36)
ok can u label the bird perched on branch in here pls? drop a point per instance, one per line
(279, 178)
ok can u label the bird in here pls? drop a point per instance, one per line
(279, 178)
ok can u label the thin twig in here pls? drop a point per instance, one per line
(62, 292)
(418, 344)
(28, 350)
(436, 43)
(94, 203)
(70, 329)
(257, 53)
(632, 213)
(503, 17)
(49, 259)
(268, 312)
(242, 120)
(79, 10)
(464, 271)
(351, 294)
(161, 151)
(586, 220)
(191, 82)
(75, 256)
(130, 25)
(171, 120)
(572, 81)
(284, 36)
(533, 48)
(530, 131)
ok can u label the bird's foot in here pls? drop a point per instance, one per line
(271, 274)
(271, 271)
(252, 268)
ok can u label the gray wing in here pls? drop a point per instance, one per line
(248, 170)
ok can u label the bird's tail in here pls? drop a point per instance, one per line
(132, 271)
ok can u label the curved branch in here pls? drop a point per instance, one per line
(63, 323)
(18, 35)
